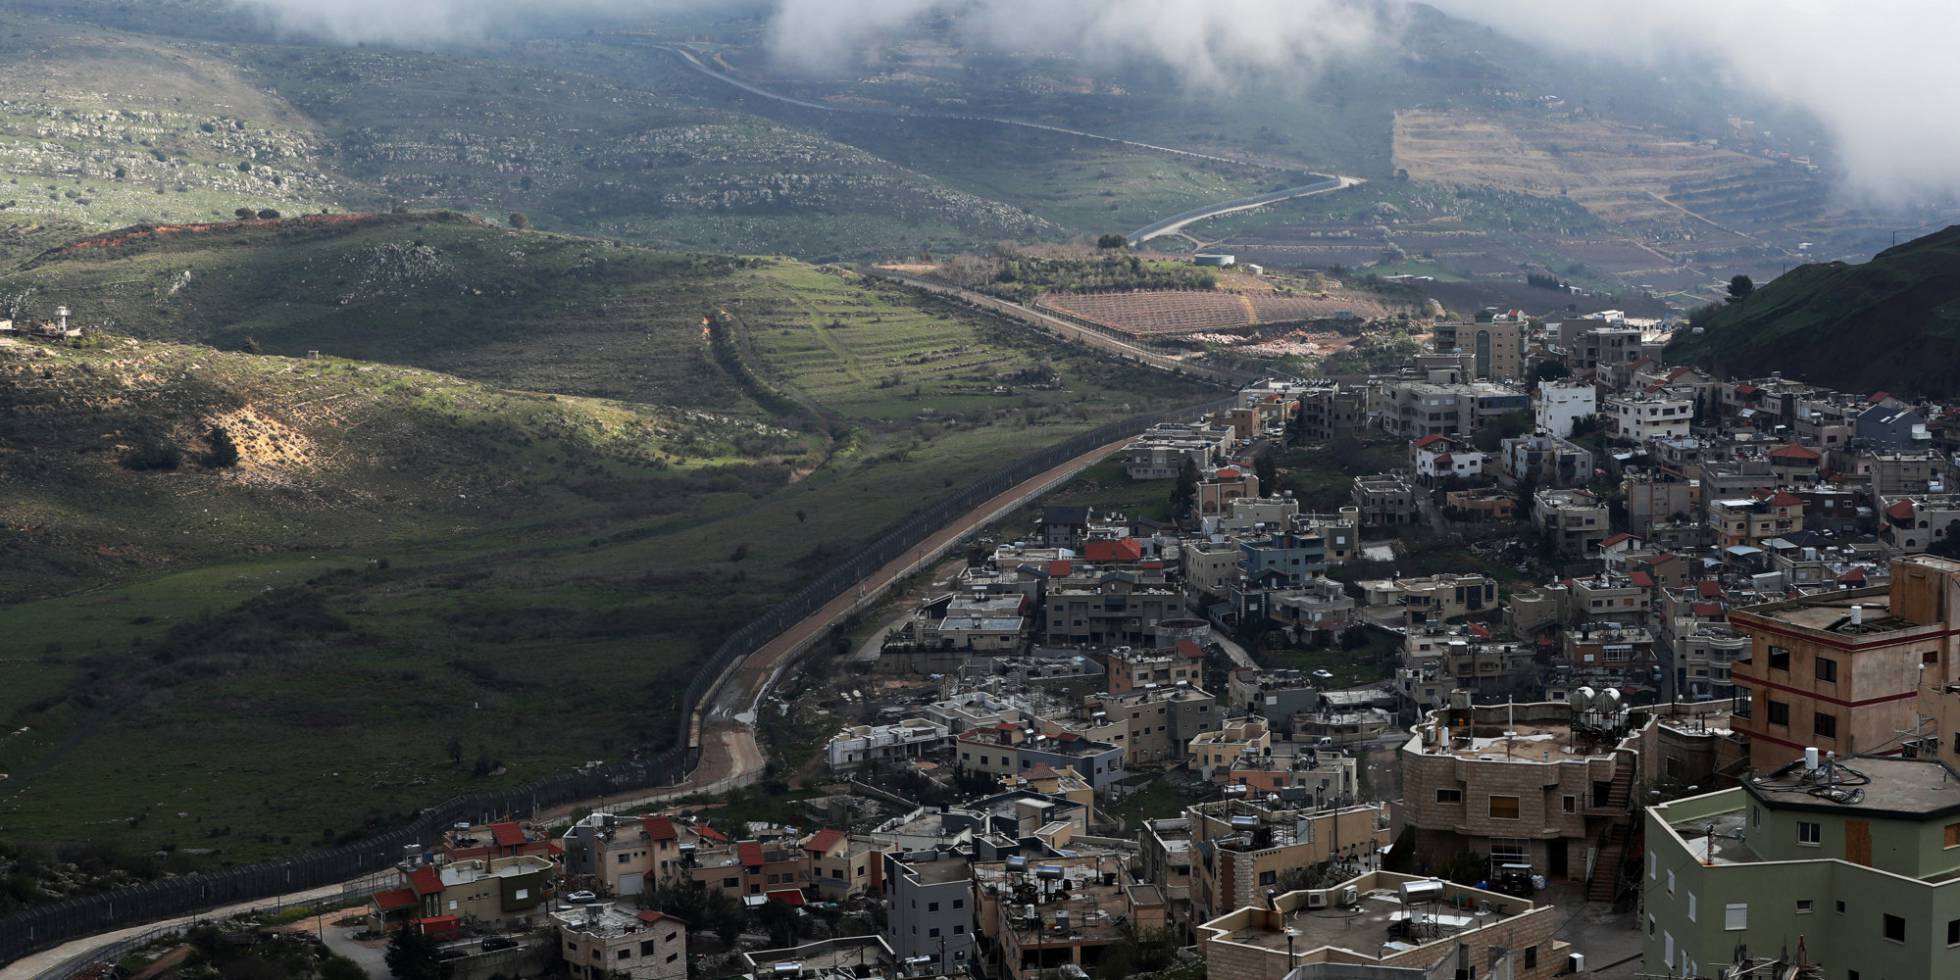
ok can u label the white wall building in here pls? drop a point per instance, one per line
(1560, 406)
(1641, 419)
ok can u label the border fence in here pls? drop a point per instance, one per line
(35, 929)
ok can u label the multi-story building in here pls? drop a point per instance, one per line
(743, 869)
(842, 866)
(498, 892)
(1248, 849)
(1163, 450)
(1210, 565)
(1856, 863)
(1333, 412)
(1545, 784)
(1575, 521)
(929, 898)
(1433, 598)
(1750, 521)
(1437, 660)
(1038, 915)
(1419, 408)
(1911, 525)
(1439, 458)
(1275, 694)
(1221, 487)
(1546, 460)
(1733, 479)
(1495, 345)
(1657, 498)
(1159, 722)
(600, 941)
(1362, 924)
(1384, 500)
(1135, 668)
(1603, 655)
(1094, 607)
(1610, 598)
(1903, 471)
(1561, 406)
(1008, 749)
(1644, 417)
(1702, 660)
(1286, 560)
(1213, 754)
(629, 855)
(1839, 671)
(1247, 513)
(1317, 607)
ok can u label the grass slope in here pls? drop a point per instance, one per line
(282, 651)
(1899, 314)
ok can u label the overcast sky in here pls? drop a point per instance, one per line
(1881, 76)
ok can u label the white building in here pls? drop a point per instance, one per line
(1644, 418)
(610, 941)
(1560, 406)
(911, 738)
(1439, 457)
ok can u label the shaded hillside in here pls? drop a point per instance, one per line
(1892, 323)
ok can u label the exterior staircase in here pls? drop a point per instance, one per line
(1618, 841)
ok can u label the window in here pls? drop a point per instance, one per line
(1779, 658)
(1504, 807)
(932, 933)
(728, 883)
(1805, 906)
(646, 948)
(1670, 882)
(1840, 906)
(1449, 796)
(1811, 834)
(1953, 835)
(1735, 918)
(1268, 877)
(522, 894)
(1530, 957)
(1827, 670)
(624, 954)
(1779, 712)
(1953, 932)
(959, 930)
(622, 859)
(1691, 907)
(1571, 804)
(1653, 864)
(1895, 929)
(932, 906)
(1825, 725)
(959, 903)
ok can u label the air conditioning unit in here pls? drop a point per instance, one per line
(1317, 899)
(1350, 897)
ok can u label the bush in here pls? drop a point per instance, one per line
(223, 453)
(153, 455)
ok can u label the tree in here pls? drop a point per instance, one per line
(153, 454)
(1111, 241)
(244, 214)
(268, 214)
(455, 750)
(1550, 371)
(1186, 492)
(519, 220)
(1296, 423)
(412, 956)
(341, 968)
(1740, 287)
(1265, 466)
(223, 453)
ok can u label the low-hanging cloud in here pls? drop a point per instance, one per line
(1879, 77)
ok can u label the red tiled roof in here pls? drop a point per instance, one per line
(1190, 650)
(1794, 451)
(1879, 396)
(1058, 569)
(507, 834)
(1641, 579)
(1113, 549)
(1042, 771)
(1745, 389)
(787, 897)
(1709, 588)
(1708, 609)
(1429, 440)
(1901, 510)
(1616, 539)
(425, 881)
(706, 832)
(393, 899)
(1228, 473)
(659, 828)
(1854, 575)
(749, 853)
(1444, 460)
(1480, 631)
(824, 840)
(650, 916)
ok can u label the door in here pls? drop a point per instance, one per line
(632, 884)
(1858, 842)
(1556, 859)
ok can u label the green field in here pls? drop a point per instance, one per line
(521, 551)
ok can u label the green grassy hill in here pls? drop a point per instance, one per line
(522, 535)
(1892, 323)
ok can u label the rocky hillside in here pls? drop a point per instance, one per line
(1892, 323)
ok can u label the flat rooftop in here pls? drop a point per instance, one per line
(1831, 613)
(1912, 786)
(941, 871)
(1379, 919)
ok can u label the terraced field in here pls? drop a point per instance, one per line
(1164, 312)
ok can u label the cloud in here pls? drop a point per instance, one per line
(420, 23)
(1209, 45)
(1879, 77)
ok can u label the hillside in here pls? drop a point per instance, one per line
(1892, 323)
(565, 468)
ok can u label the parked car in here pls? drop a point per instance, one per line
(581, 898)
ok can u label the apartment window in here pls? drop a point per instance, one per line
(1895, 929)
(959, 903)
(1735, 918)
(1840, 906)
(959, 930)
(1805, 906)
(1811, 834)
(1530, 957)
(1827, 670)
(1825, 725)
(728, 883)
(1571, 804)
(646, 948)
(1670, 882)
(1691, 907)
(1449, 796)
(932, 933)
(1779, 658)
(1779, 712)
(522, 894)
(1504, 807)
(622, 858)
(1953, 835)
(1653, 864)
(932, 906)
(1953, 932)
(1268, 877)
